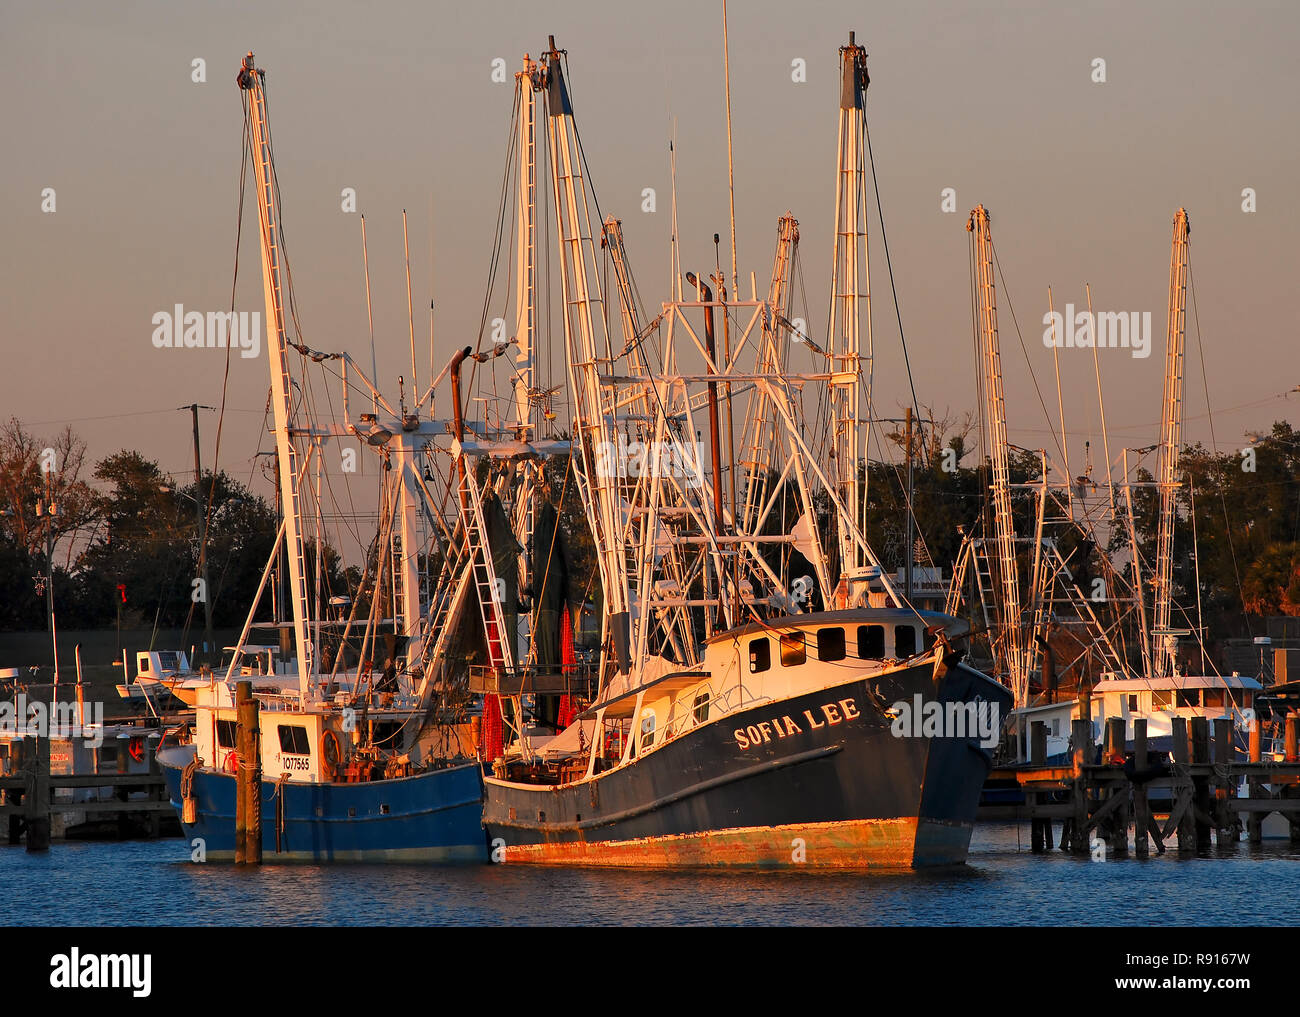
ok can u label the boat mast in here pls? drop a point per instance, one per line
(1162, 646)
(995, 411)
(528, 82)
(594, 410)
(251, 80)
(850, 341)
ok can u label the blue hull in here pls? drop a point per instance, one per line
(432, 817)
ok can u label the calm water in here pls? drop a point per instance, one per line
(153, 883)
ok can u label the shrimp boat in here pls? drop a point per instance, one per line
(1157, 700)
(159, 676)
(764, 694)
(353, 767)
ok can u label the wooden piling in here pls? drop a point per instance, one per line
(14, 796)
(1181, 811)
(1141, 804)
(38, 799)
(249, 718)
(1200, 737)
(1081, 740)
(1040, 827)
(155, 818)
(1255, 821)
(1292, 730)
(1225, 822)
(1117, 824)
(243, 693)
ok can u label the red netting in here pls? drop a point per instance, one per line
(493, 727)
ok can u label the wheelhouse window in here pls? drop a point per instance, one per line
(647, 729)
(1132, 702)
(871, 642)
(830, 644)
(701, 706)
(760, 654)
(904, 641)
(1214, 698)
(1161, 699)
(293, 740)
(226, 734)
(1189, 697)
(1247, 700)
(794, 649)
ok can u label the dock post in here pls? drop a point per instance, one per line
(14, 797)
(38, 799)
(243, 693)
(1200, 735)
(1081, 740)
(155, 817)
(1040, 828)
(1141, 806)
(1254, 821)
(1225, 822)
(1292, 743)
(250, 716)
(1118, 822)
(1182, 805)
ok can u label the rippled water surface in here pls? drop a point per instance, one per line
(153, 883)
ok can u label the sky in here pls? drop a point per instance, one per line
(1000, 102)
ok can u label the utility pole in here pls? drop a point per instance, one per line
(200, 523)
(47, 509)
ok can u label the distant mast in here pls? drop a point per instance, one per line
(268, 213)
(1171, 428)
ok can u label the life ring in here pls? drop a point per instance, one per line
(331, 754)
(232, 762)
(135, 749)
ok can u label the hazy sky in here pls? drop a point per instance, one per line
(396, 100)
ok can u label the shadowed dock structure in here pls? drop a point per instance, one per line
(1207, 793)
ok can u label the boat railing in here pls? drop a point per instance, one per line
(279, 702)
(727, 699)
(529, 679)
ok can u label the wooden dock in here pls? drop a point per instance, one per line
(1097, 803)
(28, 797)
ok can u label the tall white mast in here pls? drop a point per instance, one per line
(995, 411)
(251, 80)
(525, 380)
(850, 339)
(593, 402)
(1162, 647)
(526, 251)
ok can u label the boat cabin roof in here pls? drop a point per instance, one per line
(1176, 682)
(855, 616)
(625, 704)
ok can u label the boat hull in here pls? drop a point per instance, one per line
(432, 817)
(840, 788)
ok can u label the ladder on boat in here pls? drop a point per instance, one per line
(490, 589)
